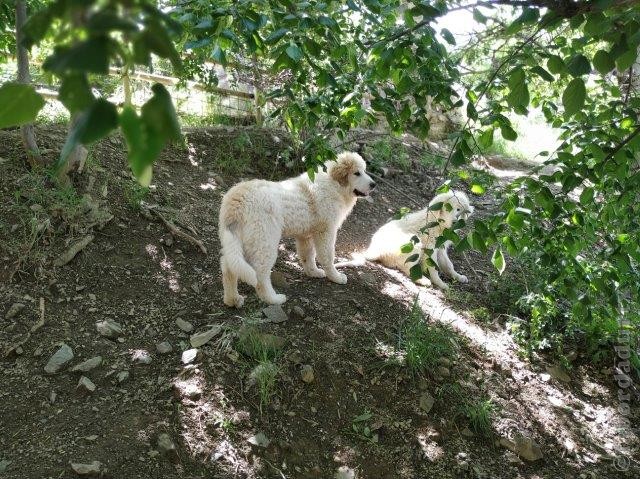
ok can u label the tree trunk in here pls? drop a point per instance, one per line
(28, 134)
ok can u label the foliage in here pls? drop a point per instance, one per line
(424, 343)
(478, 413)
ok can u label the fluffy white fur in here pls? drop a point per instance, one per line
(256, 214)
(386, 242)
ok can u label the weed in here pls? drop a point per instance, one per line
(361, 429)
(264, 375)
(424, 343)
(481, 314)
(479, 413)
(387, 153)
(135, 194)
(431, 160)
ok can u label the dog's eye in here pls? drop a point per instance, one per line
(357, 173)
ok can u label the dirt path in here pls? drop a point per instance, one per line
(362, 413)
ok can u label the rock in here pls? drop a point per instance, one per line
(426, 402)
(558, 372)
(345, 472)
(87, 365)
(92, 469)
(85, 386)
(164, 347)
(61, 357)
(141, 356)
(259, 440)
(297, 312)
(189, 356)
(109, 328)
(306, 374)
(167, 447)
(446, 362)
(524, 447)
(466, 432)
(122, 376)
(275, 313)
(368, 278)
(52, 397)
(14, 310)
(4, 464)
(200, 339)
(462, 460)
(279, 280)
(443, 372)
(185, 326)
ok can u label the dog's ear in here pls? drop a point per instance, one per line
(340, 171)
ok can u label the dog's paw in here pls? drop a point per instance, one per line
(462, 278)
(441, 285)
(277, 299)
(315, 273)
(423, 282)
(235, 302)
(339, 278)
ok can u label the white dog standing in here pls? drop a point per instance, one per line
(386, 243)
(256, 214)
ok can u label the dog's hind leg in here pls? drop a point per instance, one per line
(263, 265)
(446, 265)
(230, 286)
(433, 274)
(307, 254)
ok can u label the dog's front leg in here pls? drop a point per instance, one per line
(446, 265)
(325, 242)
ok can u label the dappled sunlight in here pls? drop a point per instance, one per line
(431, 450)
(192, 154)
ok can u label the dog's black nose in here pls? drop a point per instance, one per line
(372, 185)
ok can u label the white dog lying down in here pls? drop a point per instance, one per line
(255, 214)
(387, 241)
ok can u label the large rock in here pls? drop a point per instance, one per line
(200, 339)
(92, 469)
(61, 357)
(87, 365)
(85, 386)
(109, 328)
(275, 313)
(524, 447)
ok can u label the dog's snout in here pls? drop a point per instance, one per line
(372, 185)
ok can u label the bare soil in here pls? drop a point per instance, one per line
(136, 273)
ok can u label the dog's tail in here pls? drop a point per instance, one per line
(233, 257)
(358, 259)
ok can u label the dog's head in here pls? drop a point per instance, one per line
(455, 206)
(350, 171)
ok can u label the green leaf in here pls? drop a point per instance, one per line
(294, 52)
(626, 60)
(36, 27)
(160, 115)
(448, 36)
(218, 55)
(586, 197)
(578, 65)
(157, 40)
(508, 133)
(406, 248)
(497, 259)
(93, 124)
(518, 90)
(415, 272)
(574, 96)
(515, 219)
(89, 56)
(276, 35)
(542, 73)
(19, 104)
(555, 64)
(412, 258)
(75, 92)
(485, 140)
(477, 189)
(603, 62)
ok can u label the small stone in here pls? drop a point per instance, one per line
(14, 310)
(558, 372)
(466, 432)
(306, 374)
(275, 314)
(279, 280)
(87, 365)
(52, 397)
(200, 339)
(92, 469)
(164, 347)
(167, 447)
(185, 326)
(109, 328)
(443, 372)
(259, 440)
(297, 312)
(61, 357)
(368, 278)
(426, 402)
(524, 447)
(122, 376)
(141, 356)
(85, 385)
(345, 472)
(189, 356)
